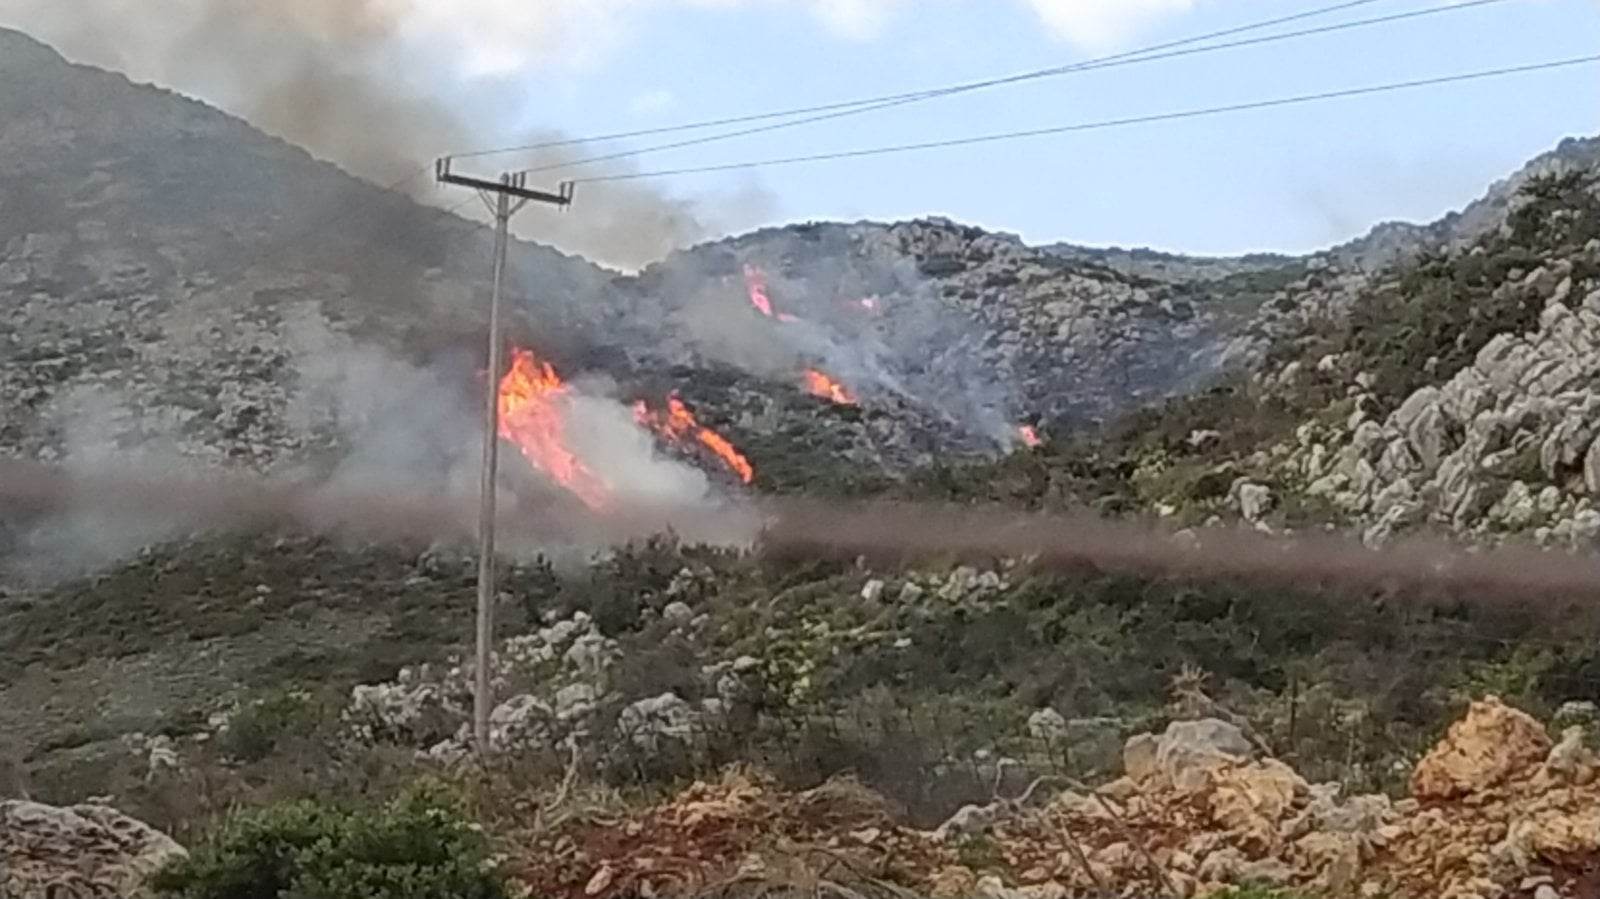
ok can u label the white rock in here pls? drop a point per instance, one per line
(1047, 725)
(1255, 501)
(1190, 749)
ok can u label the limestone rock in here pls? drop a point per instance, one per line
(1139, 756)
(82, 851)
(1480, 751)
(1249, 800)
(1570, 759)
(1255, 501)
(1047, 725)
(1190, 750)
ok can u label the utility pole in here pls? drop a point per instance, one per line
(498, 196)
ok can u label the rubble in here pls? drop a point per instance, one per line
(1494, 810)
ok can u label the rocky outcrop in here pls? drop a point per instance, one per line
(1506, 445)
(77, 853)
(1496, 811)
(1480, 751)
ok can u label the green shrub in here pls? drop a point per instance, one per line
(417, 847)
(258, 727)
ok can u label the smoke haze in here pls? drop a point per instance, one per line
(342, 80)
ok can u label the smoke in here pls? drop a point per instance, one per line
(377, 425)
(350, 82)
(628, 225)
(847, 301)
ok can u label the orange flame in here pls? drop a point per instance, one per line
(533, 401)
(755, 282)
(819, 384)
(679, 423)
(1030, 436)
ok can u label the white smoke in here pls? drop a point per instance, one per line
(378, 425)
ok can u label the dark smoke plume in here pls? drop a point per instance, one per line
(339, 78)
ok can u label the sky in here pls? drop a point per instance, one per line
(1288, 179)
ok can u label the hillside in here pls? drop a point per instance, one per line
(182, 291)
(229, 258)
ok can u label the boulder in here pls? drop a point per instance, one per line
(1139, 756)
(648, 721)
(1481, 751)
(1248, 801)
(85, 850)
(1255, 500)
(1047, 725)
(1570, 759)
(1190, 750)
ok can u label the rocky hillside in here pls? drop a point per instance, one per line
(259, 297)
(268, 308)
(1453, 393)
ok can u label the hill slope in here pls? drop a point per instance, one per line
(179, 286)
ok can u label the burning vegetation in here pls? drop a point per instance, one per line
(820, 385)
(755, 282)
(534, 407)
(678, 426)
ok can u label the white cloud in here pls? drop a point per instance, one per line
(1103, 24)
(856, 19)
(503, 36)
(496, 37)
(653, 103)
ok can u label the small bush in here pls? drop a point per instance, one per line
(258, 727)
(417, 847)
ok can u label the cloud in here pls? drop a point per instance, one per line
(856, 19)
(499, 37)
(1103, 24)
(490, 37)
(653, 103)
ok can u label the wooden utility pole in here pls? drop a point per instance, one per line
(498, 196)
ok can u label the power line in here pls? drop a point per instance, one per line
(1150, 54)
(1093, 126)
(926, 93)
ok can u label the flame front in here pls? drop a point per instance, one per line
(533, 408)
(819, 384)
(1030, 436)
(755, 282)
(679, 423)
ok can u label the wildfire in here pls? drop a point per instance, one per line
(1030, 436)
(533, 402)
(678, 424)
(755, 282)
(819, 384)
(869, 303)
